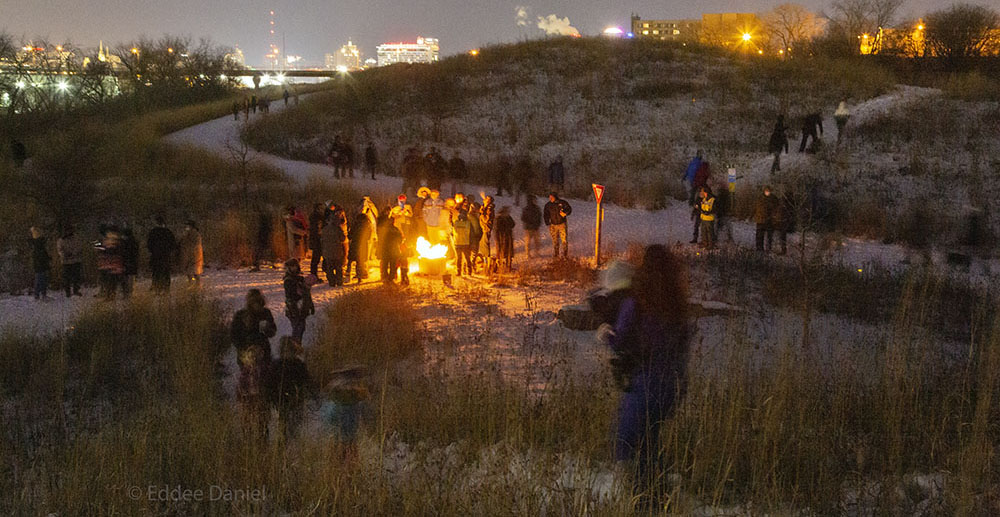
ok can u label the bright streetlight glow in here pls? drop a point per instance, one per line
(614, 31)
(19, 84)
(342, 69)
(280, 78)
(62, 86)
(474, 52)
(222, 77)
(920, 27)
(746, 36)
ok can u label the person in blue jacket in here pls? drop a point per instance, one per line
(690, 173)
(650, 340)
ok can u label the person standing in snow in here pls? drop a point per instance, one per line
(298, 299)
(764, 213)
(487, 219)
(109, 262)
(531, 220)
(41, 263)
(359, 239)
(707, 216)
(431, 214)
(778, 142)
(689, 174)
(285, 96)
(296, 231)
(650, 338)
(162, 246)
(192, 253)
(70, 249)
(402, 242)
(557, 174)
(809, 126)
(841, 116)
(262, 242)
(250, 331)
(523, 178)
(462, 236)
(502, 174)
(335, 245)
(371, 159)
(555, 213)
(505, 239)
(315, 238)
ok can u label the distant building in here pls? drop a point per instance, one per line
(330, 61)
(236, 57)
(667, 30)
(425, 50)
(348, 57)
(736, 31)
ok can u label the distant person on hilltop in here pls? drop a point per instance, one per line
(841, 116)
(557, 175)
(689, 175)
(371, 159)
(778, 142)
(556, 212)
(809, 127)
(457, 172)
(523, 177)
(765, 210)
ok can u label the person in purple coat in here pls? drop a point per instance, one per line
(650, 341)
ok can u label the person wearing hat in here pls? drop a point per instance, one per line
(420, 228)
(395, 248)
(555, 213)
(192, 253)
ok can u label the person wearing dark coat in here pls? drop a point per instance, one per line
(457, 172)
(41, 263)
(531, 220)
(557, 174)
(689, 175)
(298, 299)
(162, 246)
(130, 261)
(288, 385)
(390, 252)
(809, 126)
(651, 340)
(316, 220)
(503, 176)
(764, 213)
(505, 239)
(70, 249)
(359, 238)
(778, 142)
(371, 159)
(262, 242)
(523, 178)
(252, 328)
(555, 214)
(335, 246)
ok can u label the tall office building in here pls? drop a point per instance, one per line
(425, 50)
(349, 57)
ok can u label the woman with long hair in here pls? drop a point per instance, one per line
(650, 341)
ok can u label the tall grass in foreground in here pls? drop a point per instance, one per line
(127, 398)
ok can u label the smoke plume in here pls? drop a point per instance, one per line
(556, 26)
(522, 16)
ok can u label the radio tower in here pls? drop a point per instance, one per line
(273, 56)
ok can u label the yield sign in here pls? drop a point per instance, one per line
(598, 192)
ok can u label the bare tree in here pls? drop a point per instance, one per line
(789, 25)
(962, 30)
(242, 157)
(856, 18)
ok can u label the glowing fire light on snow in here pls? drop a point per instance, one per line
(428, 251)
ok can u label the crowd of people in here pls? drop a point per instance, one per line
(478, 237)
(116, 250)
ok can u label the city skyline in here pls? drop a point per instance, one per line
(311, 28)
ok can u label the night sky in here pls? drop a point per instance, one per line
(315, 27)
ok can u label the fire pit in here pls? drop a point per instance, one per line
(431, 258)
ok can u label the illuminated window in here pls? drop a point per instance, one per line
(656, 32)
(645, 25)
(645, 33)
